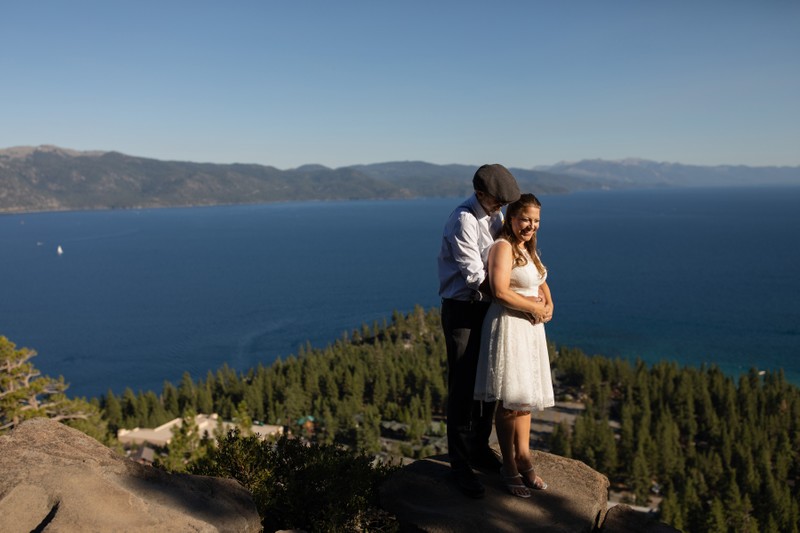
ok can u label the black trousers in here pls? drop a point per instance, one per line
(469, 422)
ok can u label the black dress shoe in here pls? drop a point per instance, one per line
(468, 482)
(485, 458)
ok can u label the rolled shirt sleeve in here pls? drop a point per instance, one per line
(468, 235)
(466, 243)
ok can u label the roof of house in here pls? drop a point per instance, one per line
(207, 424)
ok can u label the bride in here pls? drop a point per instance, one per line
(514, 365)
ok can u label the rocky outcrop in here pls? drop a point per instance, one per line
(56, 478)
(423, 498)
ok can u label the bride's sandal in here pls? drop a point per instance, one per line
(516, 489)
(536, 483)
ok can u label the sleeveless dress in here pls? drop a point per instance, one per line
(514, 365)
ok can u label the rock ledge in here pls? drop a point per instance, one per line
(424, 499)
(59, 478)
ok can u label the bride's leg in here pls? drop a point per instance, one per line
(505, 421)
(523, 458)
(522, 437)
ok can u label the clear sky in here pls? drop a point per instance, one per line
(286, 83)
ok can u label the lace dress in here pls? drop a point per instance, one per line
(514, 365)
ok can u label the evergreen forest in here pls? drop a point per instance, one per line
(720, 453)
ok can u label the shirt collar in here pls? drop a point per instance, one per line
(477, 208)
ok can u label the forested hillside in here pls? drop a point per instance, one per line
(720, 451)
(723, 451)
(48, 178)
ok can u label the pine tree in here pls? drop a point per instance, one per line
(169, 399)
(560, 442)
(183, 445)
(641, 480)
(25, 393)
(369, 431)
(604, 446)
(671, 463)
(130, 416)
(243, 419)
(113, 411)
(187, 395)
(627, 441)
(156, 414)
(581, 435)
(205, 401)
(734, 505)
(684, 407)
(671, 512)
(330, 427)
(716, 521)
(692, 506)
(254, 400)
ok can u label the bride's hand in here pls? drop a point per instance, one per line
(540, 317)
(548, 313)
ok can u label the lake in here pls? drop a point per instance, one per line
(138, 297)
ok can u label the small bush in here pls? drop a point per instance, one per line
(299, 485)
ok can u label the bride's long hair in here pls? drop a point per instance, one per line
(507, 233)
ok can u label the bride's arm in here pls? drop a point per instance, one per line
(544, 290)
(501, 261)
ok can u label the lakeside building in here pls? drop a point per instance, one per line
(207, 425)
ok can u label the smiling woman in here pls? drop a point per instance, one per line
(514, 365)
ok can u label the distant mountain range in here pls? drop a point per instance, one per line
(49, 178)
(643, 173)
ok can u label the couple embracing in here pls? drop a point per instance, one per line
(495, 302)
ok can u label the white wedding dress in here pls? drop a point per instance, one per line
(514, 365)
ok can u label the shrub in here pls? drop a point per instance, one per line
(300, 485)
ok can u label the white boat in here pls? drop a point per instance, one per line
(59, 250)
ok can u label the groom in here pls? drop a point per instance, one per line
(464, 289)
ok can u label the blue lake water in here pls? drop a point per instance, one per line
(138, 297)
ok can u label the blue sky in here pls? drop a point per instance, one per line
(340, 83)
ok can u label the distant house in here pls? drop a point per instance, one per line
(206, 425)
(144, 454)
(266, 430)
(307, 423)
